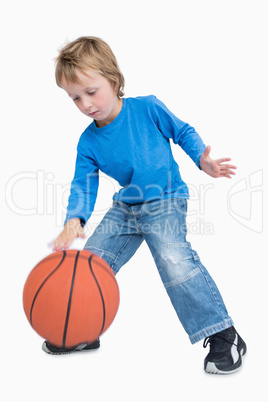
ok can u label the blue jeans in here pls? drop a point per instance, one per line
(162, 224)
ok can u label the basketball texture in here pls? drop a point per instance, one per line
(71, 297)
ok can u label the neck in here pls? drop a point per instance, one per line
(115, 112)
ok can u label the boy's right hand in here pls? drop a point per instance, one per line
(72, 229)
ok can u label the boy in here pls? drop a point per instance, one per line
(129, 141)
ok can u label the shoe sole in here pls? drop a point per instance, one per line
(212, 369)
(45, 349)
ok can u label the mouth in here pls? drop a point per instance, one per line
(93, 114)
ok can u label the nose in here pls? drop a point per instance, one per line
(86, 105)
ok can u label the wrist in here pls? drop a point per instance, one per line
(73, 221)
(200, 163)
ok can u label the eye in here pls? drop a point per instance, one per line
(75, 99)
(91, 93)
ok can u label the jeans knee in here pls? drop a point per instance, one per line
(177, 263)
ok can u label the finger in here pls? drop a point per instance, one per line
(207, 151)
(222, 160)
(226, 174)
(229, 175)
(81, 233)
(58, 245)
(231, 168)
(226, 166)
(68, 243)
(57, 248)
(229, 171)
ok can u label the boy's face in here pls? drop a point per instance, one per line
(95, 97)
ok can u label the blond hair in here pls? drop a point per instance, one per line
(88, 53)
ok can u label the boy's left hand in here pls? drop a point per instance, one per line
(216, 168)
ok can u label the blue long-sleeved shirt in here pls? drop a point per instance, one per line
(134, 149)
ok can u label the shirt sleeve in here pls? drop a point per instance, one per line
(180, 132)
(84, 188)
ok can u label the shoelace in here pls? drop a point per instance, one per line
(211, 339)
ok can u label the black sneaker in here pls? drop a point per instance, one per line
(53, 350)
(226, 351)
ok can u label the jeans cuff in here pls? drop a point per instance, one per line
(213, 329)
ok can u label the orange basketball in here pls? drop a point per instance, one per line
(71, 297)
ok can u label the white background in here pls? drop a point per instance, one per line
(207, 60)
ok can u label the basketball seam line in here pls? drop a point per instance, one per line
(42, 284)
(107, 269)
(101, 295)
(70, 301)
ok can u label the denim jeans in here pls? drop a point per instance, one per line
(162, 224)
